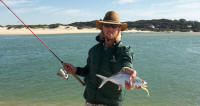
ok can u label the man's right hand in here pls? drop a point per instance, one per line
(69, 68)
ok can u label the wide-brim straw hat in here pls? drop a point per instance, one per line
(111, 17)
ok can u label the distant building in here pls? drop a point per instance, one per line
(189, 26)
(152, 26)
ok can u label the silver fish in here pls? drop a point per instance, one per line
(120, 79)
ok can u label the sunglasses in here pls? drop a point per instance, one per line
(111, 25)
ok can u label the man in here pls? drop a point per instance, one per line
(106, 58)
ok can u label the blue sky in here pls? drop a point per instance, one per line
(68, 11)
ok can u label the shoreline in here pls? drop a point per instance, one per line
(67, 30)
(58, 30)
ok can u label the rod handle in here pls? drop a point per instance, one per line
(79, 80)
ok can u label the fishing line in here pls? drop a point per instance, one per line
(33, 32)
(40, 40)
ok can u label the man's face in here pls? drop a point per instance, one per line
(111, 31)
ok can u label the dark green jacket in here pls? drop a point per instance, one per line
(105, 62)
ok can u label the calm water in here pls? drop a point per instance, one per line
(169, 62)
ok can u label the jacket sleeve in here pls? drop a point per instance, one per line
(125, 56)
(83, 71)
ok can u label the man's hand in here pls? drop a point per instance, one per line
(132, 72)
(69, 68)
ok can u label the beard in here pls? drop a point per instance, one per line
(110, 36)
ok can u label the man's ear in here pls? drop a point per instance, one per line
(119, 29)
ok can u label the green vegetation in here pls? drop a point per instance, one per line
(51, 26)
(14, 26)
(22, 26)
(54, 25)
(145, 25)
(152, 25)
(38, 26)
(80, 25)
(165, 25)
(34, 26)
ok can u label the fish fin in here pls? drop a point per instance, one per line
(101, 76)
(105, 79)
(145, 89)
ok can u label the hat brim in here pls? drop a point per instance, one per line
(99, 24)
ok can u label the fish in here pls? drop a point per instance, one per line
(120, 78)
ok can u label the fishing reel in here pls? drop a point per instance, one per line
(62, 73)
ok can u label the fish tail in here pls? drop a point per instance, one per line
(145, 89)
(105, 79)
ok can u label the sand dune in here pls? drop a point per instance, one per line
(58, 30)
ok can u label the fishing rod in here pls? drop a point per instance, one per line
(40, 40)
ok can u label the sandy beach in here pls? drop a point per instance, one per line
(58, 30)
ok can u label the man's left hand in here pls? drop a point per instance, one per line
(132, 72)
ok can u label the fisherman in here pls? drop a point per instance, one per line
(106, 58)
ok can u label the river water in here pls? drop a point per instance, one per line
(169, 62)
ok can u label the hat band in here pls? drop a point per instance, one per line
(110, 21)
